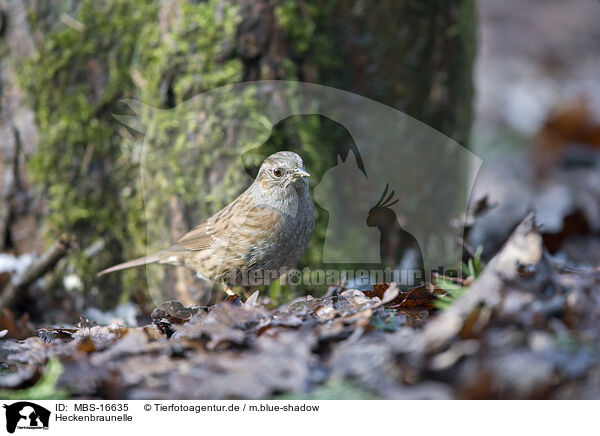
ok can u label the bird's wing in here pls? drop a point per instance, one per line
(200, 238)
(217, 226)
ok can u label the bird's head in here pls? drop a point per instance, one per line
(281, 170)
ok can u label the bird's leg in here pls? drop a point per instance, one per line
(227, 289)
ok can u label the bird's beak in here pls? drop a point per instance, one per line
(300, 173)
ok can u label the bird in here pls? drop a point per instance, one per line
(254, 239)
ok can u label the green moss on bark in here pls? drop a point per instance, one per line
(87, 164)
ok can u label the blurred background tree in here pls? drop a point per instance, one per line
(64, 66)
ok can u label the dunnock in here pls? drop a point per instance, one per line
(256, 237)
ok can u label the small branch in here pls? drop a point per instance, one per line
(45, 263)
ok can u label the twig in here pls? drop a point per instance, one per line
(41, 266)
(336, 289)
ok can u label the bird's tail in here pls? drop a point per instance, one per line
(131, 264)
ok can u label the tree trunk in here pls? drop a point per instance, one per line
(19, 210)
(413, 55)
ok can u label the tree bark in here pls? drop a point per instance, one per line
(19, 210)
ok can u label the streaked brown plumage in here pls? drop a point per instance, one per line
(262, 232)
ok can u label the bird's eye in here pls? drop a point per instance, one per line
(277, 172)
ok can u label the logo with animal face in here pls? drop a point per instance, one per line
(430, 175)
(26, 415)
